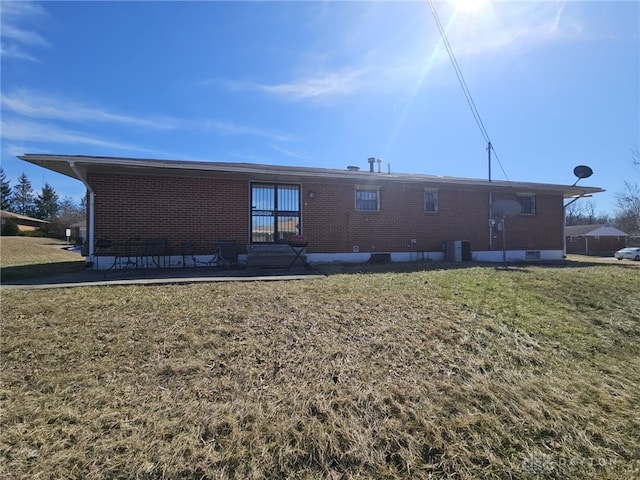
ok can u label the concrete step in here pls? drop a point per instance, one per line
(271, 256)
(270, 261)
(270, 249)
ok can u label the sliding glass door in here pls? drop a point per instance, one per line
(275, 212)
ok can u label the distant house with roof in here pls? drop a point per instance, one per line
(23, 222)
(79, 232)
(594, 239)
(347, 215)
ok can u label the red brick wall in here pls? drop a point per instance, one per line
(595, 245)
(333, 225)
(180, 209)
(206, 209)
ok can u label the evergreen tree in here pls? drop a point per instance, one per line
(6, 199)
(46, 203)
(23, 197)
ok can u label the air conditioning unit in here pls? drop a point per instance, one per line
(458, 251)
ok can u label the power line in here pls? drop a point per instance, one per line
(465, 89)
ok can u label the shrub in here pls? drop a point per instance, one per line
(10, 228)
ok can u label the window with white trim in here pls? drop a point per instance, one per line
(431, 200)
(367, 199)
(528, 202)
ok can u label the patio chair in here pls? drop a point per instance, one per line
(225, 254)
(102, 247)
(188, 249)
(155, 251)
(134, 249)
(228, 253)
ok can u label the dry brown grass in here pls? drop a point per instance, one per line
(23, 257)
(529, 372)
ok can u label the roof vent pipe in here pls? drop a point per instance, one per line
(371, 161)
(379, 163)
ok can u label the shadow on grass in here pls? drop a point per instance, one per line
(22, 272)
(426, 266)
(76, 271)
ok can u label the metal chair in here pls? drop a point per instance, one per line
(134, 250)
(188, 250)
(225, 256)
(228, 252)
(102, 247)
(155, 250)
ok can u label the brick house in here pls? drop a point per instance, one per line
(594, 239)
(348, 215)
(22, 222)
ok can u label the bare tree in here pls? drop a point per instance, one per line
(583, 212)
(628, 213)
(628, 201)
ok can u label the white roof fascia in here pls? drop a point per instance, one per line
(83, 162)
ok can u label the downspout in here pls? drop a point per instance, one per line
(92, 196)
(490, 200)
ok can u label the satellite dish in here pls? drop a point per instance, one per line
(582, 171)
(506, 208)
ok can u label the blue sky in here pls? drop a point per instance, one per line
(327, 84)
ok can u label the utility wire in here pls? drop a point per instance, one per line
(463, 84)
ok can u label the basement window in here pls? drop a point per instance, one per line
(528, 202)
(431, 200)
(367, 199)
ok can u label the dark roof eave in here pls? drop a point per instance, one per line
(62, 164)
(18, 216)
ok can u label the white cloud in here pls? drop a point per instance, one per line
(37, 132)
(393, 61)
(515, 26)
(315, 86)
(25, 103)
(288, 153)
(14, 36)
(23, 36)
(21, 9)
(326, 85)
(15, 51)
(228, 128)
(13, 150)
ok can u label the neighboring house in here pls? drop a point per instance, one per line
(594, 239)
(24, 223)
(79, 232)
(348, 215)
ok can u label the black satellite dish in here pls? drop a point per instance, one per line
(582, 171)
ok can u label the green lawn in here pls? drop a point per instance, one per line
(521, 372)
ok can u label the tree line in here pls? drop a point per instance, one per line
(44, 205)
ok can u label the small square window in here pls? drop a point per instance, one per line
(528, 202)
(367, 199)
(430, 200)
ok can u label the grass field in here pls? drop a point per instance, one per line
(24, 257)
(520, 372)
